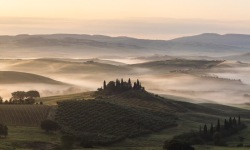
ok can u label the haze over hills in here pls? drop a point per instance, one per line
(86, 46)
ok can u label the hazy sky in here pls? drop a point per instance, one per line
(141, 18)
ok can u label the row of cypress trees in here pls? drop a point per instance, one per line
(121, 86)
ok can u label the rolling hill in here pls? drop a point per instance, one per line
(108, 119)
(82, 46)
(12, 77)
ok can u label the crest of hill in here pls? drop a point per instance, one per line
(51, 65)
(179, 64)
(12, 77)
(233, 64)
(97, 45)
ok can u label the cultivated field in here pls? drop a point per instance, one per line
(23, 115)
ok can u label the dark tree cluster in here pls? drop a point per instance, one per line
(120, 86)
(213, 134)
(22, 97)
(49, 125)
(3, 130)
(177, 145)
(217, 132)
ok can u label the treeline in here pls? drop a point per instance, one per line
(211, 134)
(22, 97)
(120, 86)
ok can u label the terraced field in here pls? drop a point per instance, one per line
(23, 115)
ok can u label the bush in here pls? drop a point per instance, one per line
(49, 125)
(217, 138)
(177, 145)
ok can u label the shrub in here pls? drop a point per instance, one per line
(177, 145)
(49, 125)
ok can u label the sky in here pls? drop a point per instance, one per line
(154, 19)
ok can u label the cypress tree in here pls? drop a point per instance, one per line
(138, 82)
(118, 84)
(135, 86)
(234, 122)
(239, 122)
(122, 82)
(212, 129)
(129, 83)
(200, 131)
(104, 85)
(230, 122)
(205, 129)
(226, 124)
(218, 126)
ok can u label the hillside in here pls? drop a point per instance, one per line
(70, 45)
(111, 118)
(104, 122)
(12, 77)
(178, 64)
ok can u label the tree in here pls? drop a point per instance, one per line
(18, 95)
(1, 100)
(177, 145)
(239, 122)
(104, 85)
(122, 83)
(218, 126)
(32, 94)
(118, 83)
(111, 86)
(230, 122)
(137, 82)
(30, 101)
(217, 138)
(3, 130)
(234, 122)
(225, 124)
(49, 125)
(129, 83)
(205, 129)
(212, 129)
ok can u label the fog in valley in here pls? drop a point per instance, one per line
(201, 68)
(223, 82)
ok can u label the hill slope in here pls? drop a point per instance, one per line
(12, 77)
(111, 118)
(80, 46)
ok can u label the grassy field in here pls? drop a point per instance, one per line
(21, 137)
(52, 100)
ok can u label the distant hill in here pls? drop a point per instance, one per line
(82, 46)
(241, 57)
(12, 77)
(176, 64)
